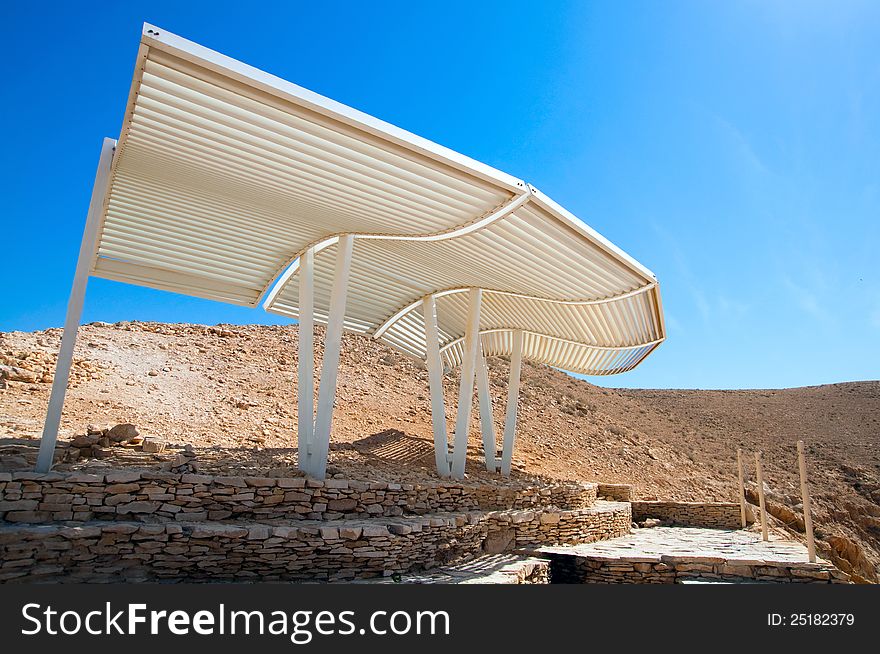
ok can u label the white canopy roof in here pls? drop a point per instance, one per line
(224, 175)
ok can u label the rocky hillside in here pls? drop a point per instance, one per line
(229, 392)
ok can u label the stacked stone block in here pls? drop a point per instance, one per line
(162, 496)
(129, 525)
(713, 515)
(597, 569)
(308, 550)
(614, 492)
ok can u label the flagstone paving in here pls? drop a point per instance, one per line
(675, 555)
(490, 569)
(714, 545)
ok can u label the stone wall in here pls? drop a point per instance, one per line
(614, 492)
(716, 515)
(105, 551)
(677, 569)
(162, 496)
(531, 529)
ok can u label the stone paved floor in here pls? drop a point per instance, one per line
(688, 542)
(489, 569)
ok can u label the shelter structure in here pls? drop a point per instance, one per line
(230, 184)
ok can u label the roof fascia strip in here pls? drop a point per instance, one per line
(462, 230)
(290, 268)
(604, 348)
(385, 326)
(273, 288)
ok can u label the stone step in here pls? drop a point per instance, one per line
(151, 496)
(703, 582)
(510, 569)
(283, 550)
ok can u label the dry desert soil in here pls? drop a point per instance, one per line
(229, 391)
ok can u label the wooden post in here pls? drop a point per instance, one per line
(742, 490)
(805, 495)
(764, 535)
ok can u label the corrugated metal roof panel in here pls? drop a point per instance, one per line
(224, 175)
(217, 179)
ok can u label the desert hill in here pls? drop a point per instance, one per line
(230, 392)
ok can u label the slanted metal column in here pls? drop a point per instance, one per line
(87, 249)
(435, 382)
(512, 403)
(487, 420)
(330, 366)
(306, 363)
(466, 387)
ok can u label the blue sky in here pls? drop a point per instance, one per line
(733, 148)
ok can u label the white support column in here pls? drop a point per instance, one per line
(512, 403)
(466, 387)
(87, 250)
(330, 365)
(306, 363)
(487, 420)
(435, 382)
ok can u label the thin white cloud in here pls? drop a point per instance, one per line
(709, 308)
(808, 300)
(673, 324)
(741, 146)
(700, 300)
(874, 317)
(732, 308)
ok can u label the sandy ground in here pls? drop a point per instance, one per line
(230, 392)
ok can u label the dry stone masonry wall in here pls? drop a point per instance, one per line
(131, 525)
(160, 496)
(614, 492)
(716, 515)
(106, 551)
(677, 569)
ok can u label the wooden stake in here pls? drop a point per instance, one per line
(764, 535)
(742, 490)
(805, 495)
